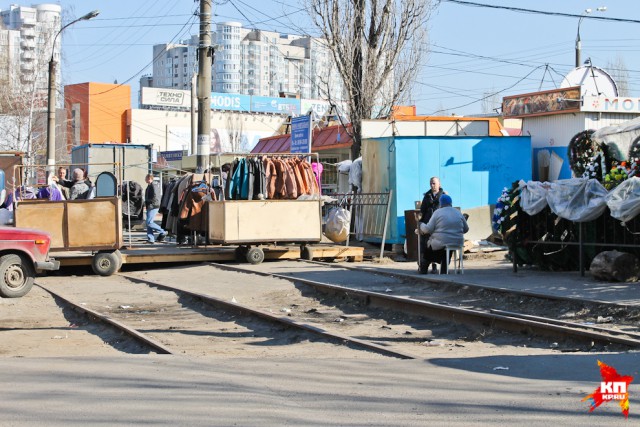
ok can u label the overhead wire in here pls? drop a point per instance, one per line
(543, 12)
(489, 95)
(150, 63)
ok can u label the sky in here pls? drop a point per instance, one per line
(473, 52)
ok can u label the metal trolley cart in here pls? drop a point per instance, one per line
(250, 223)
(79, 225)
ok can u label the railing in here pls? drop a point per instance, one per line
(549, 241)
(369, 214)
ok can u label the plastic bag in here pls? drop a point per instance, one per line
(533, 197)
(624, 200)
(337, 226)
(577, 199)
(355, 173)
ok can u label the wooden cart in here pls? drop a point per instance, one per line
(78, 225)
(248, 223)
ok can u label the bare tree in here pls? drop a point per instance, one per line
(377, 47)
(620, 74)
(490, 101)
(235, 132)
(23, 99)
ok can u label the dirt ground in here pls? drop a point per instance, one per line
(36, 325)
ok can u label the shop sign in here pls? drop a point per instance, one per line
(172, 156)
(301, 134)
(264, 104)
(556, 101)
(229, 101)
(166, 97)
(611, 104)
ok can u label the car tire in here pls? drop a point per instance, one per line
(16, 276)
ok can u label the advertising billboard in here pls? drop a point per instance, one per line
(265, 104)
(547, 102)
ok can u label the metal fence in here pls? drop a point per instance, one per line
(552, 242)
(369, 214)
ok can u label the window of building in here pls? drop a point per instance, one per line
(330, 172)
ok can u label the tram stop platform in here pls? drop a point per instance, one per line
(493, 270)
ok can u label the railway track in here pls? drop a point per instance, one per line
(157, 346)
(473, 316)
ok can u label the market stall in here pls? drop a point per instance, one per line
(266, 199)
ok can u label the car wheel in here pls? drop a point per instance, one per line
(16, 276)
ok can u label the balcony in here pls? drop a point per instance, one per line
(27, 44)
(27, 32)
(27, 66)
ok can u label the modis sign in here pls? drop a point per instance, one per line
(611, 105)
(612, 387)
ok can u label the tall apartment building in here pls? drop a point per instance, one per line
(251, 62)
(26, 40)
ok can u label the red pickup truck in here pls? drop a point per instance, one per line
(23, 252)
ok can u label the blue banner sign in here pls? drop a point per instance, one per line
(265, 104)
(301, 134)
(172, 156)
(229, 101)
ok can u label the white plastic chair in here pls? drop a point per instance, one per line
(458, 264)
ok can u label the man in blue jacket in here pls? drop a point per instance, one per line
(445, 228)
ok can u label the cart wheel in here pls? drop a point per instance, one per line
(106, 263)
(119, 256)
(241, 253)
(306, 253)
(255, 256)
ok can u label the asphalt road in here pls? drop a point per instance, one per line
(172, 391)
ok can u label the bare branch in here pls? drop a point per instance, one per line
(377, 48)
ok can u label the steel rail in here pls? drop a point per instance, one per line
(137, 335)
(539, 325)
(567, 323)
(463, 284)
(242, 309)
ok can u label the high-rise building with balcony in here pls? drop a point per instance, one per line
(252, 62)
(26, 40)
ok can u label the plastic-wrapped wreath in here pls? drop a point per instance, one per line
(582, 149)
(503, 218)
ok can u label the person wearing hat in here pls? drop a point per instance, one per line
(430, 203)
(445, 228)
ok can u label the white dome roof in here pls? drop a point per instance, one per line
(593, 81)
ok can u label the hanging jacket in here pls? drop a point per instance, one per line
(270, 175)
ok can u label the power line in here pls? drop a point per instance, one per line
(489, 95)
(542, 12)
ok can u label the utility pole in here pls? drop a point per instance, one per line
(194, 117)
(51, 98)
(205, 61)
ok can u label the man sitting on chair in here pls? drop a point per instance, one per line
(445, 228)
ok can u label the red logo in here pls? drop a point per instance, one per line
(613, 387)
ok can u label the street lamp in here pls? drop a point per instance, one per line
(51, 105)
(578, 44)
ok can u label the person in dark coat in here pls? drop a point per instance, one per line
(152, 198)
(430, 203)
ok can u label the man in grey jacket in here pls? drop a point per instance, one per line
(445, 228)
(152, 198)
